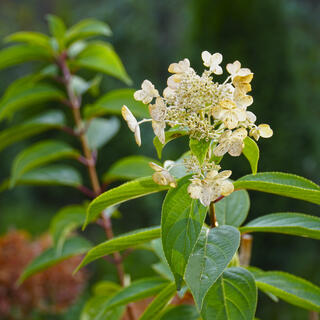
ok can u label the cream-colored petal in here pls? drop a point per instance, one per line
(129, 117)
(265, 130)
(158, 110)
(139, 95)
(158, 129)
(155, 167)
(180, 67)
(244, 72)
(231, 120)
(173, 81)
(195, 190)
(241, 114)
(251, 117)
(240, 133)
(221, 149)
(211, 174)
(216, 58)
(225, 174)
(158, 178)
(137, 135)
(242, 79)
(236, 147)
(226, 188)
(254, 132)
(234, 67)
(217, 112)
(206, 196)
(206, 56)
(168, 93)
(218, 70)
(169, 178)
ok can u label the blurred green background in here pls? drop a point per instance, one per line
(278, 40)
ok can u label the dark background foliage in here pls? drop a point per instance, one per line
(278, 40)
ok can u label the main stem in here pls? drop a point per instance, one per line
(75, 105)
(212, 214)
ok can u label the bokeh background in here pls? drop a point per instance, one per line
(278, 40)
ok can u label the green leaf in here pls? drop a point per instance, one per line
(101, 131)
(199, 148)
(181, 222)
(297, 224)
(211, 255)
(72, 247)
(112, 102)
(129, 168)
(49, 120)
(52, 175)
(232, 297)
(127, 191)
(87, 28)
(100, 57)
(289, 288)
(170, 135)
(28, 95)
(57, 175)
(127, 240)
(57, 29)
(233, 209)
(251, 152)
(40, 154)
(283, 184)
(137, 290)
(64, 222)
(22, 53)
(186, 312)
(29, 37)
(159, 303)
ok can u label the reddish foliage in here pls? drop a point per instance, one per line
(50, 291)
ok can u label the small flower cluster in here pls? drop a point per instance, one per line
(209, 110)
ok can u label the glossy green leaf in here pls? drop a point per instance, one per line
(127, 191)
(38, 155)
(297, 224)
(21, 53)
(159, 302)
(57, 175)
(101, 131)
(103, 291)
(49, 120)
(72, 247)
(232, 297)
(211, 255)
(112, 102)
(52, 175)
(57, 29)
(185, 312)
(233, 209)
(252, 153)
(87, 28)
(170, 135)
(199, 148)
(129, 168)
(29, 37)
(28, 95)
(101, 57)
(127, 240)
(289, 288)
(64, 222)
(284, 184)
(181, 222)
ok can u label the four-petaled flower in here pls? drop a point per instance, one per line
(162, 176)
(229, 113)
(231, 142)
(212, 187)
(147, 93)
(262, 130)
(212, 61)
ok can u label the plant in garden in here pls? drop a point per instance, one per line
(201, 274)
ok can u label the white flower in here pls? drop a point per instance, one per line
(231, 142)
(132, 123)
(162, 176)
(229, 113)
(211, 188)
(212, 61)
(158, 110)
(262, 130)
(147, 93)
(180, 67)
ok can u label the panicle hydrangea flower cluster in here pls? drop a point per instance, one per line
(209, 110)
